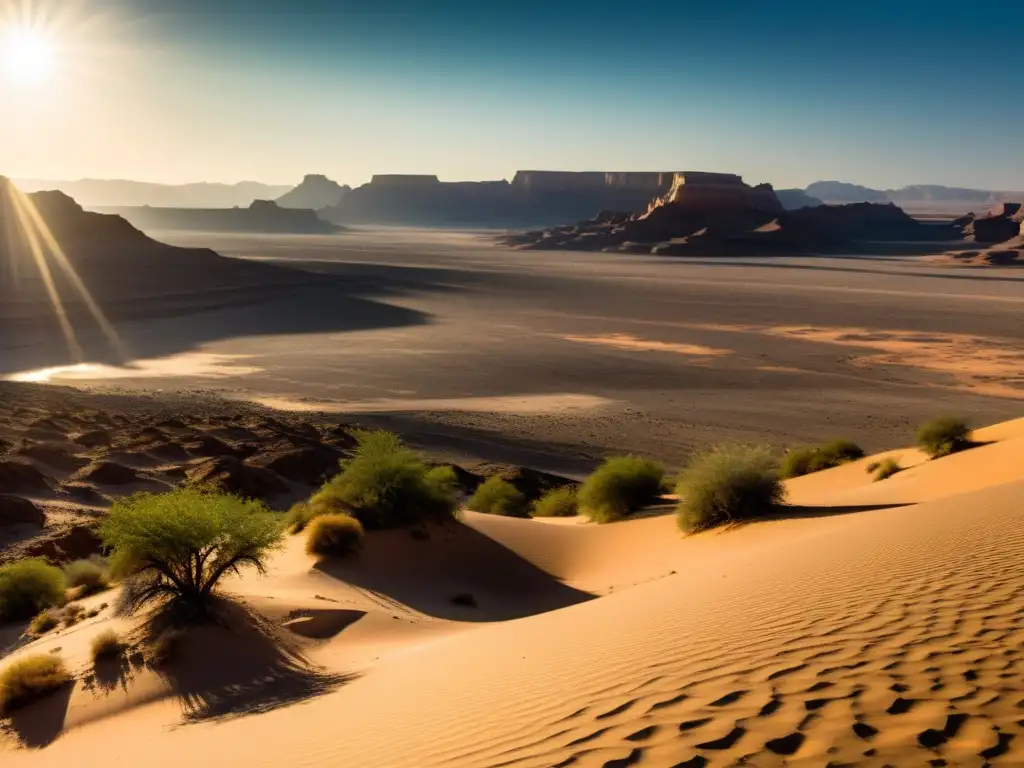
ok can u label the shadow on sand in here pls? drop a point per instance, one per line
(240, 664)
(39, 724)
(455, 560)
(340, 299)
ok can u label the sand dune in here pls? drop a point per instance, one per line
(887, 636)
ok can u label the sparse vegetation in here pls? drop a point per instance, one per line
(88, 576)
(298, 517)
(44, 622)
(334, 536)
(72, 614)
(107, 644)
(558, 502)
(728, 484)
(803, 461)
(178, 545)
(496, 496)
(619, 487)
(28, 587)
(386, 484)
(943, 436)
(884, 469)
(30, 678)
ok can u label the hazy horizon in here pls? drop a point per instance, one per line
(270, 91)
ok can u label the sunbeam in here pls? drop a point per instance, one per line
(36, 228)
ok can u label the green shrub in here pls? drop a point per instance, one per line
(814, 458)
(334, 536)
(884, 469)
(298, 517)
(619, 487)
(386, 484)
(498, 497)
(178, 545)
(30, 678)
(28, 587)
(558, 502)
(106, 645)
(943, 436)
(728, 484)
(44, 622)
(72, 614)
(90, 576)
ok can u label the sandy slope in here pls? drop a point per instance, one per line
(888, 636)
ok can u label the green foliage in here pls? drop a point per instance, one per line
(386, 484)
(728, 484)
(72, 614)
(29, 678)
(619, 487)
(333, 535)
(558, 502)
(884, 469)
(107, 644)
(814, 458)
(496, 496)
(943, 436)
(28, 587)
(178, 545)
(90, 576)
(298, 517)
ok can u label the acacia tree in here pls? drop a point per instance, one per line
(178, 545)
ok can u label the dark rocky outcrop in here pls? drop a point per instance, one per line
(107, 473)
(1001, 223)
(53, 456)
(75, 542)
(310, 465)
(792, 199)
(234, 476)
(15, 510)
(21, 477)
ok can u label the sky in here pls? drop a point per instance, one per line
(877, 93)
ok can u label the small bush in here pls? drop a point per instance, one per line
(30, 678)
(943, 436)
(728, 484)
(496, 496)
(803, 461)
(386, 484)
(884, 469)
(73, 614)
(298, 517)
(89, 576)
(334, 536)
(44, 622)
(28, 587)
(106, 645)
(619, 487)
(558, 502)
(177, 546)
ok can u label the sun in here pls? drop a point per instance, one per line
(29, 55)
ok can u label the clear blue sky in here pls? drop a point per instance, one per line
(878, 93)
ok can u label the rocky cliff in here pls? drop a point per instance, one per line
(315, 192)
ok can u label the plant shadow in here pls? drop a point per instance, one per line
(38, 724)
(237, 663)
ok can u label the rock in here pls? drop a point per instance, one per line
(212, 447)
(107, 473)
(311, 465)
(78, 542)
(231, 475)
(169, 451)
(20, 477)
(97, 438)
(16, 510)
(84, 494)
(997, 226)
(54, 456)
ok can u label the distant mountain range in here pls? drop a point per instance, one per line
(102, 193)
(916, 195)
(315, 192)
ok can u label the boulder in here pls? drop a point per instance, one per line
(311, 465)
(15, 510)
(54, 456)
(21, 477)
(107, 473)
(77, 542)
(96, 438)
(211, 447)
(232, 475)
